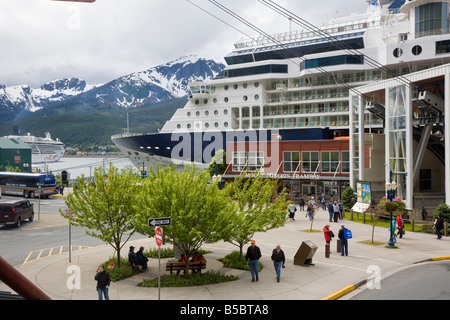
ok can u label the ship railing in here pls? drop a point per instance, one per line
(124, 135)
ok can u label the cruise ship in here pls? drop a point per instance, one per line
(43, 150)
(291, 92)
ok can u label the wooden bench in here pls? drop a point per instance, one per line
(180, 266)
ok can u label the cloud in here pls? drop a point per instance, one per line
(43, 40)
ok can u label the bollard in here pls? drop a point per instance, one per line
(412, 225)
(338, 246)
(327, 250)
(446, 228)
(351, 214)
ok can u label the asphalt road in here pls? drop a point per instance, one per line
(48, 236)
(425, 281)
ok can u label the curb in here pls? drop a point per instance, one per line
(352, 287)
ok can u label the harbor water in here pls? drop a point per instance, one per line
(77, 166)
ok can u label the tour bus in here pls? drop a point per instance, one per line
(27, 184)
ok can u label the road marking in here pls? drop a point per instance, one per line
(40, 254)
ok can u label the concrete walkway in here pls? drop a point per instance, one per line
(55, 275)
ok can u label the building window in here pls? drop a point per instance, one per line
(239, 161)
(310, 161)
(255, 161)
(416, 50)
(425, 180)
(329, 161)
(345, 161)
(291, 161)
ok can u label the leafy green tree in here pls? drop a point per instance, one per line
(218, 163)
(348, 197)
(105, 208)
(254, 210)
(197, 208)
(444, 211)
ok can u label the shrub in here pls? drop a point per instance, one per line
(118, 273)
(233, 260)
(444, 211)
(209, 277)
(348, 198)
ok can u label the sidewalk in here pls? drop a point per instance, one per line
(326, 277)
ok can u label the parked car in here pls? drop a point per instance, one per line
(13, 212)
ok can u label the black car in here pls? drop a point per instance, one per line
(13, 212)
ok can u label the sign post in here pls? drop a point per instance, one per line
(159, 240)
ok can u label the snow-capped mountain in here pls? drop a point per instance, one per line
(160, 83)
(155, 85)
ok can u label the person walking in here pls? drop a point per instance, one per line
(344, 240)
(301, 203)
(330, 210)
(335, 211)
(310, 211)
(439, 225)
(252, 258)
(103, 281)
(278, 259)
(400, 225)
(292, 209)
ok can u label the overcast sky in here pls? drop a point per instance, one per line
(44, 40)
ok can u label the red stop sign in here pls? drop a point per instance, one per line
(158, 236)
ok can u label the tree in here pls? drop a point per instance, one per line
(348, 197)
(218, 164)
(106, 207)
(254, 210)
(198, 209)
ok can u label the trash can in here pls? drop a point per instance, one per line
(305, 253)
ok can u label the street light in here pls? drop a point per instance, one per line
(391, 188)
(143, 170)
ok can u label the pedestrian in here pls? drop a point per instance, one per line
(344, 240)
(301, 203)
(328, 234)
(400, 225)
(392, 229)
(322, 201)
(252, 258)
(309, 211)
(335, 211)
(330, 210)
(439, 225)
(278, 259)
(292, 210)
(341, 211)
(103, 281)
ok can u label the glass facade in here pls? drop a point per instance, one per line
(397, 138)
(432, 18)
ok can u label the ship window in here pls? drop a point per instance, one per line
(226, 87)
(206, 113)
(398, 52)
(205, 101)
(416, 50)
(256, 97)
(216, 124)
(197, 113)
(206, 125)
(216, 112)
(225, 124)
(197, 102)
(225, 99)
(256, 84)
(225, 112)
(235, 86)
(245, 98)
(188, 114)
(188, 125)
(245, 85)
(215, 100)
(179, 126)
(443, 46)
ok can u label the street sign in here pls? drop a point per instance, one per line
(158, 236)
(159, 222)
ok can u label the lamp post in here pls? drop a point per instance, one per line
(143, 170)
(391, 188)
